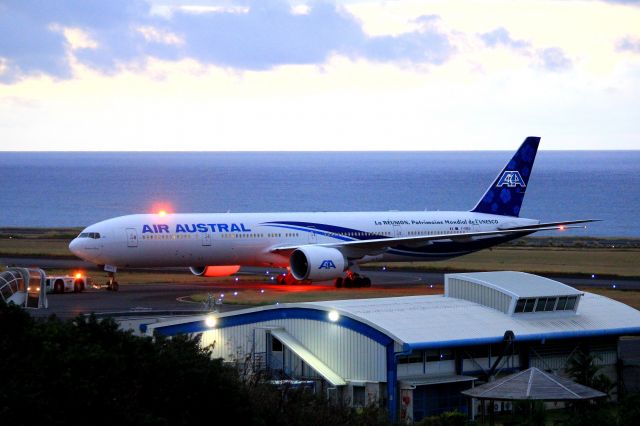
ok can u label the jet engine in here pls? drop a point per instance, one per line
(214, 271)
(317, 263)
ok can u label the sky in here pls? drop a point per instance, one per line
(291, 75)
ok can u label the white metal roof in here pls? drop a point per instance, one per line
(518, 284)
(424, 321)
(439, 321)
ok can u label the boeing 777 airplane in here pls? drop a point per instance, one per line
(315, 246)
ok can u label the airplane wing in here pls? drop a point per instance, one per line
(416, 241)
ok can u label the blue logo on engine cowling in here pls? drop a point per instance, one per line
(511, 178)
(327, 264)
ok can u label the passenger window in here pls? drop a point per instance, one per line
(520, 305)
(541, 302)
(571, 303)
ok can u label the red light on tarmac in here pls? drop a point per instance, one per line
(78, 275)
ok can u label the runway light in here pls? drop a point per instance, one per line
(222, 295)
(613, 285)
(384, 268)
(237, 279)
(210, 321)
(235, 293)
(334, 316)
(593, 275)
(261, 291)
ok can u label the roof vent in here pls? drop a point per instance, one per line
(513, 293)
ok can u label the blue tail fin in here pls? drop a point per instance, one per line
(504, 196)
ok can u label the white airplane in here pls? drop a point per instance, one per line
(315, 246)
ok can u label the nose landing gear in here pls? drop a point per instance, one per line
(112, 285)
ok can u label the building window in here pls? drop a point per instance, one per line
(433, 355)
(415, 357)
(276, 345)
(528, 307)
(446, 355)
(562, 302)
(358, 396)
(551, 303)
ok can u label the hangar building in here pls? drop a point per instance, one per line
(415, 354)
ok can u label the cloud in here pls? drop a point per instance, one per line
(501, 37)
(551, 59)
(33, 33)
(629, 44)
(254, 35)
(554, 59)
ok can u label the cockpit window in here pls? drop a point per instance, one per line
(94, 235)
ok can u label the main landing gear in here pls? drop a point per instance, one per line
(352, 280)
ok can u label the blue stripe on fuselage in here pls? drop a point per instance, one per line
(328, 230)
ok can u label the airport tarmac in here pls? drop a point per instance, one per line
(140, 299)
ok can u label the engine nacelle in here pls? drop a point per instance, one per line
(214, 271)
(317, 263)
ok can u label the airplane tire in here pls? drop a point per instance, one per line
(115, 286)
(338, 282)
(366, 282)
(57, 287)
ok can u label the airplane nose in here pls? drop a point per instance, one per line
(74, 247)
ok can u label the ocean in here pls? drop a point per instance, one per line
(56, 189)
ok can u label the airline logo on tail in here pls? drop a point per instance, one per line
(511, 178)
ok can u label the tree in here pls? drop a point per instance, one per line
(582, 367)
(88, 372)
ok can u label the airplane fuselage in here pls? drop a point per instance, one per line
(150, 240)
